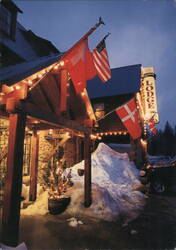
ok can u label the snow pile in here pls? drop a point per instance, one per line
(74, 222)
(40, 207)
(22, 246)
(25, 191)
(114, 180)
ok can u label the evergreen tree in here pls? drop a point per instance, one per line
(169, 140)
(175, 141)
(164, 142)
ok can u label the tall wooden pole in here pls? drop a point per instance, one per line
(34, 166)
(13, 184)
(87, 171)
(77, 153)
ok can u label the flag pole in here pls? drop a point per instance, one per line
(91, 30)
(104, 38)
(106, 115)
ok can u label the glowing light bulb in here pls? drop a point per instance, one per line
(17, 87)
(56, 66)
(62, 63)
(50, 131)
(39, 75)
(29, 82)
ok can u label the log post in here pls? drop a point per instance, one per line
(77, 153)
(13, 184)
(34, 166)
(63, 90)
(87, 171)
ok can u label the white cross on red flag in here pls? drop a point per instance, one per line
(152, 127)
(129, 116)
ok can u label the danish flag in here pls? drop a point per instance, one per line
(129, 116)
(152, 127)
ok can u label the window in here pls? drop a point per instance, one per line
(5, 20)
(99, 110)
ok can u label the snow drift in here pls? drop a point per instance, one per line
(114, 179)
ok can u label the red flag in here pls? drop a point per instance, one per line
(152, 127)
(101, 61)
(79, 64)
(129, 116)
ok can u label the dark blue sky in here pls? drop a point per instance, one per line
(142, 31)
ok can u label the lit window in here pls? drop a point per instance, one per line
(99, 110)
(5, 20)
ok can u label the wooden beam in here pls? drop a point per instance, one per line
(77, 103)
(51, 89)
(87, 171)
(33, 111)
(34, 166)
(77, 145)
(13, 184)
(63, 90)
(37, 97)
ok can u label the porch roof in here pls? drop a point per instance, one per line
(15, 73)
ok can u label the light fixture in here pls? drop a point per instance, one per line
(50, 131)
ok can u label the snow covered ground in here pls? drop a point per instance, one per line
(114, 183)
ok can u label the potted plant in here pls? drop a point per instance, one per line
(57, 182)
(80, 172)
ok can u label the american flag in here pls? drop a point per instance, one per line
(101, 62)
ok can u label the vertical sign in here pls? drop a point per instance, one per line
(148, 94)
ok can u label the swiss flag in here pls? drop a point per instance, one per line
(79, 63)
(129, 116)
(151, 125)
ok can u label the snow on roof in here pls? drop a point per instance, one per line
(114, 180)
(28, 45)
(124, 80)
(12, 74)
(20, 45)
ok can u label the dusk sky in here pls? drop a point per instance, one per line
(142, 32)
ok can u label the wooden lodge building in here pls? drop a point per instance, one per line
(41, 114)
(126, 82)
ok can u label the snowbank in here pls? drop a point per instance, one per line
(114, 180)
(22, 246)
